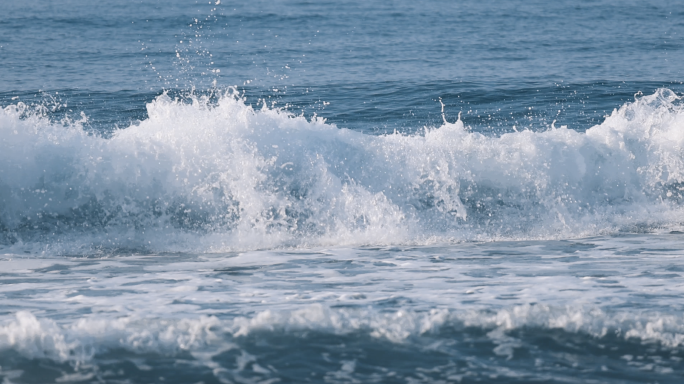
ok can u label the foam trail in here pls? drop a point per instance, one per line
(202, 176)
(81, 340)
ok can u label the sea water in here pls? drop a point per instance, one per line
(341, 192)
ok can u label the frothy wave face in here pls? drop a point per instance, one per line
(212, 176)
(80, 340)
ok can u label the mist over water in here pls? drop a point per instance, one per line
(341, 192)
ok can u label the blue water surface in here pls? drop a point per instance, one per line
(341, 191)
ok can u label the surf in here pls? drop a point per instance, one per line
(203, 174)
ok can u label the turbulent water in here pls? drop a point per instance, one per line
(341, 192)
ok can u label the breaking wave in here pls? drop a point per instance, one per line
(207, 176)
(229, 349)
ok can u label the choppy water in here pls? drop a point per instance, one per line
(341, 192)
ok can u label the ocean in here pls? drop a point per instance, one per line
(351, 191)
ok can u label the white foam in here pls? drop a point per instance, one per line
(80, 340)
(222, 176)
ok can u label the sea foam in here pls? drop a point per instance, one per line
(82, 340)
(203, 176)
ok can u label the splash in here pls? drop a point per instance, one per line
(206, 176)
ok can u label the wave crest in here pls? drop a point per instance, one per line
(205, 176)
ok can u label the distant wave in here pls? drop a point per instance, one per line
(206, 176)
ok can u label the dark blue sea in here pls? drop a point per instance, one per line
(297, 191)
